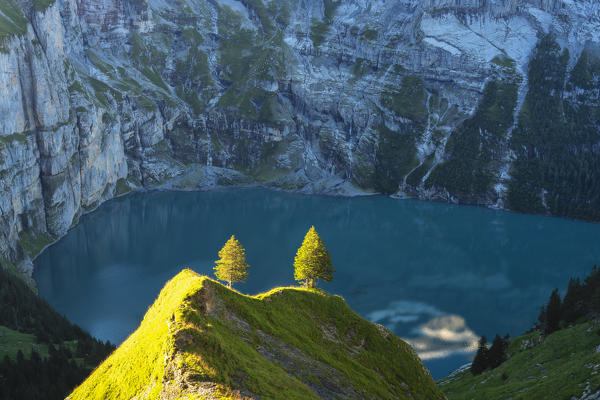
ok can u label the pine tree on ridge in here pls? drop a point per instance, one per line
(313, 261)
(231, 265)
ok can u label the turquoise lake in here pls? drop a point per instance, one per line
(438, 275)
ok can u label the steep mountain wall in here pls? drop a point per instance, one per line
(435, 99)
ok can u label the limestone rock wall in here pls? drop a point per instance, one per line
(101, 97)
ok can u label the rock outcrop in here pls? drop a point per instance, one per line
(416, 98)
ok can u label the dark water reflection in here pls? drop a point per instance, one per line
(401, 263)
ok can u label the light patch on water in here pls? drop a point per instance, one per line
(402, 311)
(440, 336)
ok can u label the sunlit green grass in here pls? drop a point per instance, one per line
(195, 325)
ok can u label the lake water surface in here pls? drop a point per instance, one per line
(438, 275)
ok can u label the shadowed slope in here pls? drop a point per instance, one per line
(562, 365)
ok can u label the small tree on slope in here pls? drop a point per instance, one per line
(312, 260)
(481, 360)
(497, 353)
(231, 265)
(492, 357)
(552, 314)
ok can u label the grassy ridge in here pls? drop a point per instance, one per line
(202, 339)
(562, 365)
(137, 366)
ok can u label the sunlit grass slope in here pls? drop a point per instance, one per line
(200, 340)
(562, 366)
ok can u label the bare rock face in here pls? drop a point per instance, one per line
(416, 98)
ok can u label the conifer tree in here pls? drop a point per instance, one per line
(231, 265)
(497, 353)
(553, 313)
(591, 291)
(541, 322)
(481, 360)
(312, 260)
(573, 306)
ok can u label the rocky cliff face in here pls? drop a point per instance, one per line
(435, 99)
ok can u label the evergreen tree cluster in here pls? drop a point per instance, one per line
(581, 300)
(36, 378)
(23, 311)
(557, 166)
(312, 261)
(474, 150)
(55, 376)
(490, 358)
